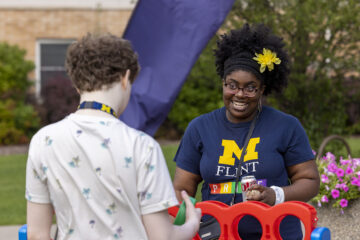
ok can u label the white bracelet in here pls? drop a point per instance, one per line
(279, 193)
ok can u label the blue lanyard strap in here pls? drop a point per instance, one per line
(97, 106)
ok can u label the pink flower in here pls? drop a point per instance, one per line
(313, 151)
(349, 171)
(324, 198)
(319, 203)
(356, 161)
(345, 188)
(344, 162)
(327, 188)
(340, 172)
(355, 181)
(338, 185)
(343, 203)
(324, 178)
(335, 193)
(330, 156)
(332, 167)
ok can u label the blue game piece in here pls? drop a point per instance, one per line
(320, 233)
(23, 232)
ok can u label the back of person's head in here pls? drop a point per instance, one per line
(243, 44)
(98, 61)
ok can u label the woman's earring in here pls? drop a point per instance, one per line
(259, 105)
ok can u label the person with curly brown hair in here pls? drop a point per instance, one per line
(251, 62)
(103, 179)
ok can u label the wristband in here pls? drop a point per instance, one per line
(279, 194)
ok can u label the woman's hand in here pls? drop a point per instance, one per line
(262, 194)
(304, 185)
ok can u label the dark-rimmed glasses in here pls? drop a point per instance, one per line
(248, 91)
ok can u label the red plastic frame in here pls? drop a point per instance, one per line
(269, 217)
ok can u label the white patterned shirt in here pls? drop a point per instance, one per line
(100, 176)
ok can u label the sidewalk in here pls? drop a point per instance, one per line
(14, 149)
(11, 232)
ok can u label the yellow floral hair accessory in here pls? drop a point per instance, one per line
(268, 58)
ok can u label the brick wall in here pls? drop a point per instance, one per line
(23, 27)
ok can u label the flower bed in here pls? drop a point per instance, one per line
(340, 181)
(338, 201)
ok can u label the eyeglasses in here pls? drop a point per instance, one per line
(248, 91)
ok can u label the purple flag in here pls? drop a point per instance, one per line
(168, 35)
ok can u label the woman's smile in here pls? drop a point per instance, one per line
(239, 106)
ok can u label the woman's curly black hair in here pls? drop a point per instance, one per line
(254, 39)
(97, 61)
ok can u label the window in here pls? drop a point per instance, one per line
(50, 61)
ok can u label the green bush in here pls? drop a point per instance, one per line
(13, 72)
(18, 120)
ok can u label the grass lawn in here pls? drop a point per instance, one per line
(12, 185)
(354, 144)
(169, 153)
(12, 182)
(12, 189)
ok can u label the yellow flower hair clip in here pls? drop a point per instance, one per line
(268, 58)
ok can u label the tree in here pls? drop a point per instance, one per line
(201, 92)
(322, 39)
(323, 42)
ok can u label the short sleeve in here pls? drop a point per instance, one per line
(154, 185)
(36, 187)
(189, 152)
(298, 147)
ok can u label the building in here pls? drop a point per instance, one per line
(46, 28)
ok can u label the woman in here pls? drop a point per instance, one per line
(251, 62)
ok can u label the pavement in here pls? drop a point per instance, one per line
(14, 149)
(11, 232)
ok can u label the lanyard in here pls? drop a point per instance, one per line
(97, 106)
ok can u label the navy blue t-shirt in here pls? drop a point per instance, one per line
(211, 148)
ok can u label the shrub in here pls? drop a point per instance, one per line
(59, 99)
(13, 72)
(18, 120)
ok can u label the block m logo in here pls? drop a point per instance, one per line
(231, 149)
